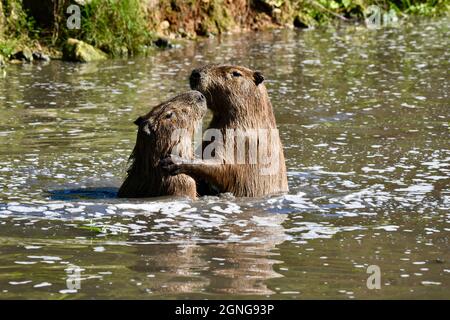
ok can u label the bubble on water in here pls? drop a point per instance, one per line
(68, 291)
(25, 209)
(16, 283)
(231, 208)
(165, 207)
(25, 262)
(431, 283)
(42, 284)
(419, 188)
(312, 230)
(389, 228)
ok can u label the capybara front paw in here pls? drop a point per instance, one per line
(169, 167)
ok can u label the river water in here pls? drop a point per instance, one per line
(364, 118)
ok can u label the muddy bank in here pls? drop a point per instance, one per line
(135, 27)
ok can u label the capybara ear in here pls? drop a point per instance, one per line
(259, 77)
(139, 121)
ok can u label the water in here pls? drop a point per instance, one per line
(364, 117)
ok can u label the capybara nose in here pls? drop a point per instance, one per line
(194, 79)
(195, 74)
(200, 97)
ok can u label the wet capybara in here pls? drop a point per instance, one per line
(241, 109)
(156, 140)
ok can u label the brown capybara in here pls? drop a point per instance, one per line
(156, 140)
(241, 109)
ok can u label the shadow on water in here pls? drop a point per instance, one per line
(83, 193)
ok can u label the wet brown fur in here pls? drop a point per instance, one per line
(145, 178)
(238, 99)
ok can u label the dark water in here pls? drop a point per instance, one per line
(364, 117)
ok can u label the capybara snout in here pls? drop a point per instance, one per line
(194, 79)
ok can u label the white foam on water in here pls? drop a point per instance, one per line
(431, 283)
(26, 209)
(418, 188)
(388, 228)
(42, 284)
(231, 208)
(164, 207)
(16, 283)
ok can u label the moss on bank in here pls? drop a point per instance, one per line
(130, 27)
(16, 27)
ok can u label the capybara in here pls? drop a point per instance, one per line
(156, 140)
(241, 109)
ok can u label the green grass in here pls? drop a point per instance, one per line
(16, 28)
(15, 23)
(124, 27)
(116, 27)
(7, 46)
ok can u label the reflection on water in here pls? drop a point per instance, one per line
(364, 120)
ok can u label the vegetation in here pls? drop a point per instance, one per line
(307, 13)
(129, 27)
(16, 27)
(116, 27)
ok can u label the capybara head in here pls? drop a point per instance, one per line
(227, 86)
(156, 140)
(155, 135)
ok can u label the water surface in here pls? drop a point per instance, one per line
(364, 118)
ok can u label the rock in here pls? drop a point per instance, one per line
(83, 2)
(162, 43)
(15, 61)
(39, 56)
(123, 51)
(164, 25)
(182, 32)
(23, 55)
(265, 6)
(79, 51)
(298, 23)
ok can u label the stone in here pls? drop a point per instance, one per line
(162, 43)
(298, 23)
(164, 25)
(24, 55)
(83, 2)
(39, 56)
(15, 61)
(79, 51)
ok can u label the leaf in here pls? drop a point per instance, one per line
(334, 5)
(346, 3)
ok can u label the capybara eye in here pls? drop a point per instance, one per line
(236, 74)
(168, 115)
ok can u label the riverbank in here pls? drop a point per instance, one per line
(30, 30)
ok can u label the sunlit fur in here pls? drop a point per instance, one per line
(145, 177)
(238, 102)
